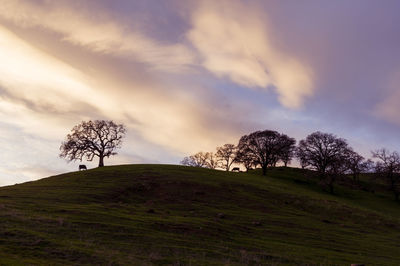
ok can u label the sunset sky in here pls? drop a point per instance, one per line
(187, 76)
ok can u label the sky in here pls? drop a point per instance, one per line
(189, 75)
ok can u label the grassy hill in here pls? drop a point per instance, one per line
(175, 215)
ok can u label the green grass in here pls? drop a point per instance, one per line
(175, 215)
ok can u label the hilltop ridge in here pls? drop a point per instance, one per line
(167, 214)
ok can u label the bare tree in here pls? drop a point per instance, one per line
(388, 168)
(324, 153)
(188, 161)
(301, 155)
(287, 150)
(245, 157)
(212, 161)
(91, 139)
(337, 168)
(226, 154)
(264, 146)
(197, 160)
(356, 164)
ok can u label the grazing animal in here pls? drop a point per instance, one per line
(82, 167)
(236, 169)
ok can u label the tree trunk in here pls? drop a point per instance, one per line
(322, 176)
(101, 161)
(285, 163)
(330, 184)
(264, 169)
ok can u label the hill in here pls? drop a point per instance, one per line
(175, 215)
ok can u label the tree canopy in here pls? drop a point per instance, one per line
(331, 157)
(325, 153)
(265, 147)
(226, 155)
(91, 139)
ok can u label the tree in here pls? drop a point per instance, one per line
(188, 161)
(287, 151)
(91, 139)
(264, 147)
(324, 153)
(388, 168)
(300, 154)
(226, 155)
(245, 157)
(196, 160)
(356, 164)
(212, 161)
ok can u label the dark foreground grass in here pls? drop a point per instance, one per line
(174, 215)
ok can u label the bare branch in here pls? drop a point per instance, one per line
(88, 139)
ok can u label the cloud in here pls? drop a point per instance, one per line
(92, 27)
(90, 65)
(247, 55)
(388, 108)
(26, 157)
(234, 42)
(45, 96)
(35, 86)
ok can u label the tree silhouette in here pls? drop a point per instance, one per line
(226, 154)
(264, 147)
(202, 159)
(357, 164)
(245, 157)
(212, 161)
(324, 153)
(91, 139)
(388, 168)
(288, 147)
(196, 160)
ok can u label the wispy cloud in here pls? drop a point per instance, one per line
(41, 92)
(94, 29)
(42, 96)
(230, 40)
(36, 86)
(234, 42)
(204, 73)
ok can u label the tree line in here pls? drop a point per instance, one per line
(326, 154)
(329, 156)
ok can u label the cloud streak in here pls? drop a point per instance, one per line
(38, 89)
(235, 45)
(185, 76)
(99, 33)
(44, 96)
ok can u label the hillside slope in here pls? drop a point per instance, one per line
(175, 215)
